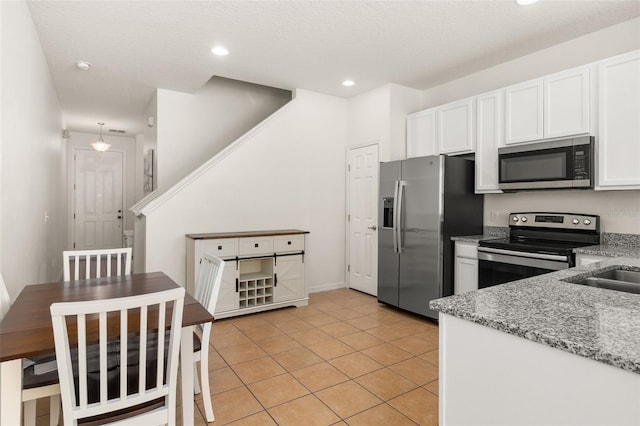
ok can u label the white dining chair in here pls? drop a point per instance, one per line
(207, 288)
(96, 263)
(129, 383)
(34, 386)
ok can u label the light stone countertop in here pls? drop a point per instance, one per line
(475, 238)
(610, 250)
(599, 324)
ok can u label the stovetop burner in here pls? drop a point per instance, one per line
(548, 233)
(542, 247)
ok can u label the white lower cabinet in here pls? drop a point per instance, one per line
(488, 377)
(466, 268)
(263, 270)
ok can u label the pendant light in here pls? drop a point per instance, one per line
(100, 145)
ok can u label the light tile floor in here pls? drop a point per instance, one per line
(344, 359)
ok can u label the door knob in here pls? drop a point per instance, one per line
(373, 227)
(119, 217)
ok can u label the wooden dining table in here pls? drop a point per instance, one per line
(26, 330)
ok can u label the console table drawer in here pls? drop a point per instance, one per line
(255, 246)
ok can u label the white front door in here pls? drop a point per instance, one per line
(363, 219)
(97, 199)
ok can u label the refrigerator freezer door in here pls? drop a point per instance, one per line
(420, 222)
(388, 258)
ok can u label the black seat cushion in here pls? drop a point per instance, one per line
(31, 380)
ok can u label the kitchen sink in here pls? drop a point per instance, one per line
(614, 279)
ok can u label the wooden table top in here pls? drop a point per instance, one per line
(26, 329)
(244, 234)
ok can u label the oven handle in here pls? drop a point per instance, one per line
(550, 265)
(524, 254)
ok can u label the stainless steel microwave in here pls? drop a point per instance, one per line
(564, 163)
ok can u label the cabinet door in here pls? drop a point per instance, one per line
(566, 103)
(490, 119)
(456, 130)
(228, 296)
(289, 278)
(619, 123)
(524, 112)
(466, 275)
(421, 133)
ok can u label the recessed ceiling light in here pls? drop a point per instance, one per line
(348, 83)
(219, 51)
(83, 65)
(526, 2)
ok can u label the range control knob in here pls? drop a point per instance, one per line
(515, 218)
(575, 222)
(524, 218)
(587, 222)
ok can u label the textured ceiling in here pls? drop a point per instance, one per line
(138, 46)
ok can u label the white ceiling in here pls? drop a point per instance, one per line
(138, 46)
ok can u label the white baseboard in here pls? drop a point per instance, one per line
(327, 287)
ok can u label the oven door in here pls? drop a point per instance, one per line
(498, 266)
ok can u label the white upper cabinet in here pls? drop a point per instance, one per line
(619, 123)
(421, 133)
(490, 136)
(550, 107)
(524, 119)
(456, 127)
(566, 103)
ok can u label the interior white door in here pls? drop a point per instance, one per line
(98, 199)
(363, 219)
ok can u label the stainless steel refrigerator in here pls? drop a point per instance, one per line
(424, 201)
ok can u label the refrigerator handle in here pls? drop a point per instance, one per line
(398, 223)
(395, 217)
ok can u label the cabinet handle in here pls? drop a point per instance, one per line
(237, 285)
(289, 242)
(275, 280)
(219, 247)
(256, 244)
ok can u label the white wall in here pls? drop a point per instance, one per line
(369, 120)
(32, 168)
(126, 145)
(289, 174)
(192, 128)
(620, 210)
(592, 47)
(379, 116)
(404, 100)
(149, 141)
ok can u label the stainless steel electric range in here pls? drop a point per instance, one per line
(538, 243)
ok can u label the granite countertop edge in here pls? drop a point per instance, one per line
(522, 318)
(538, 337)
(609, 250)
(475, 238)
